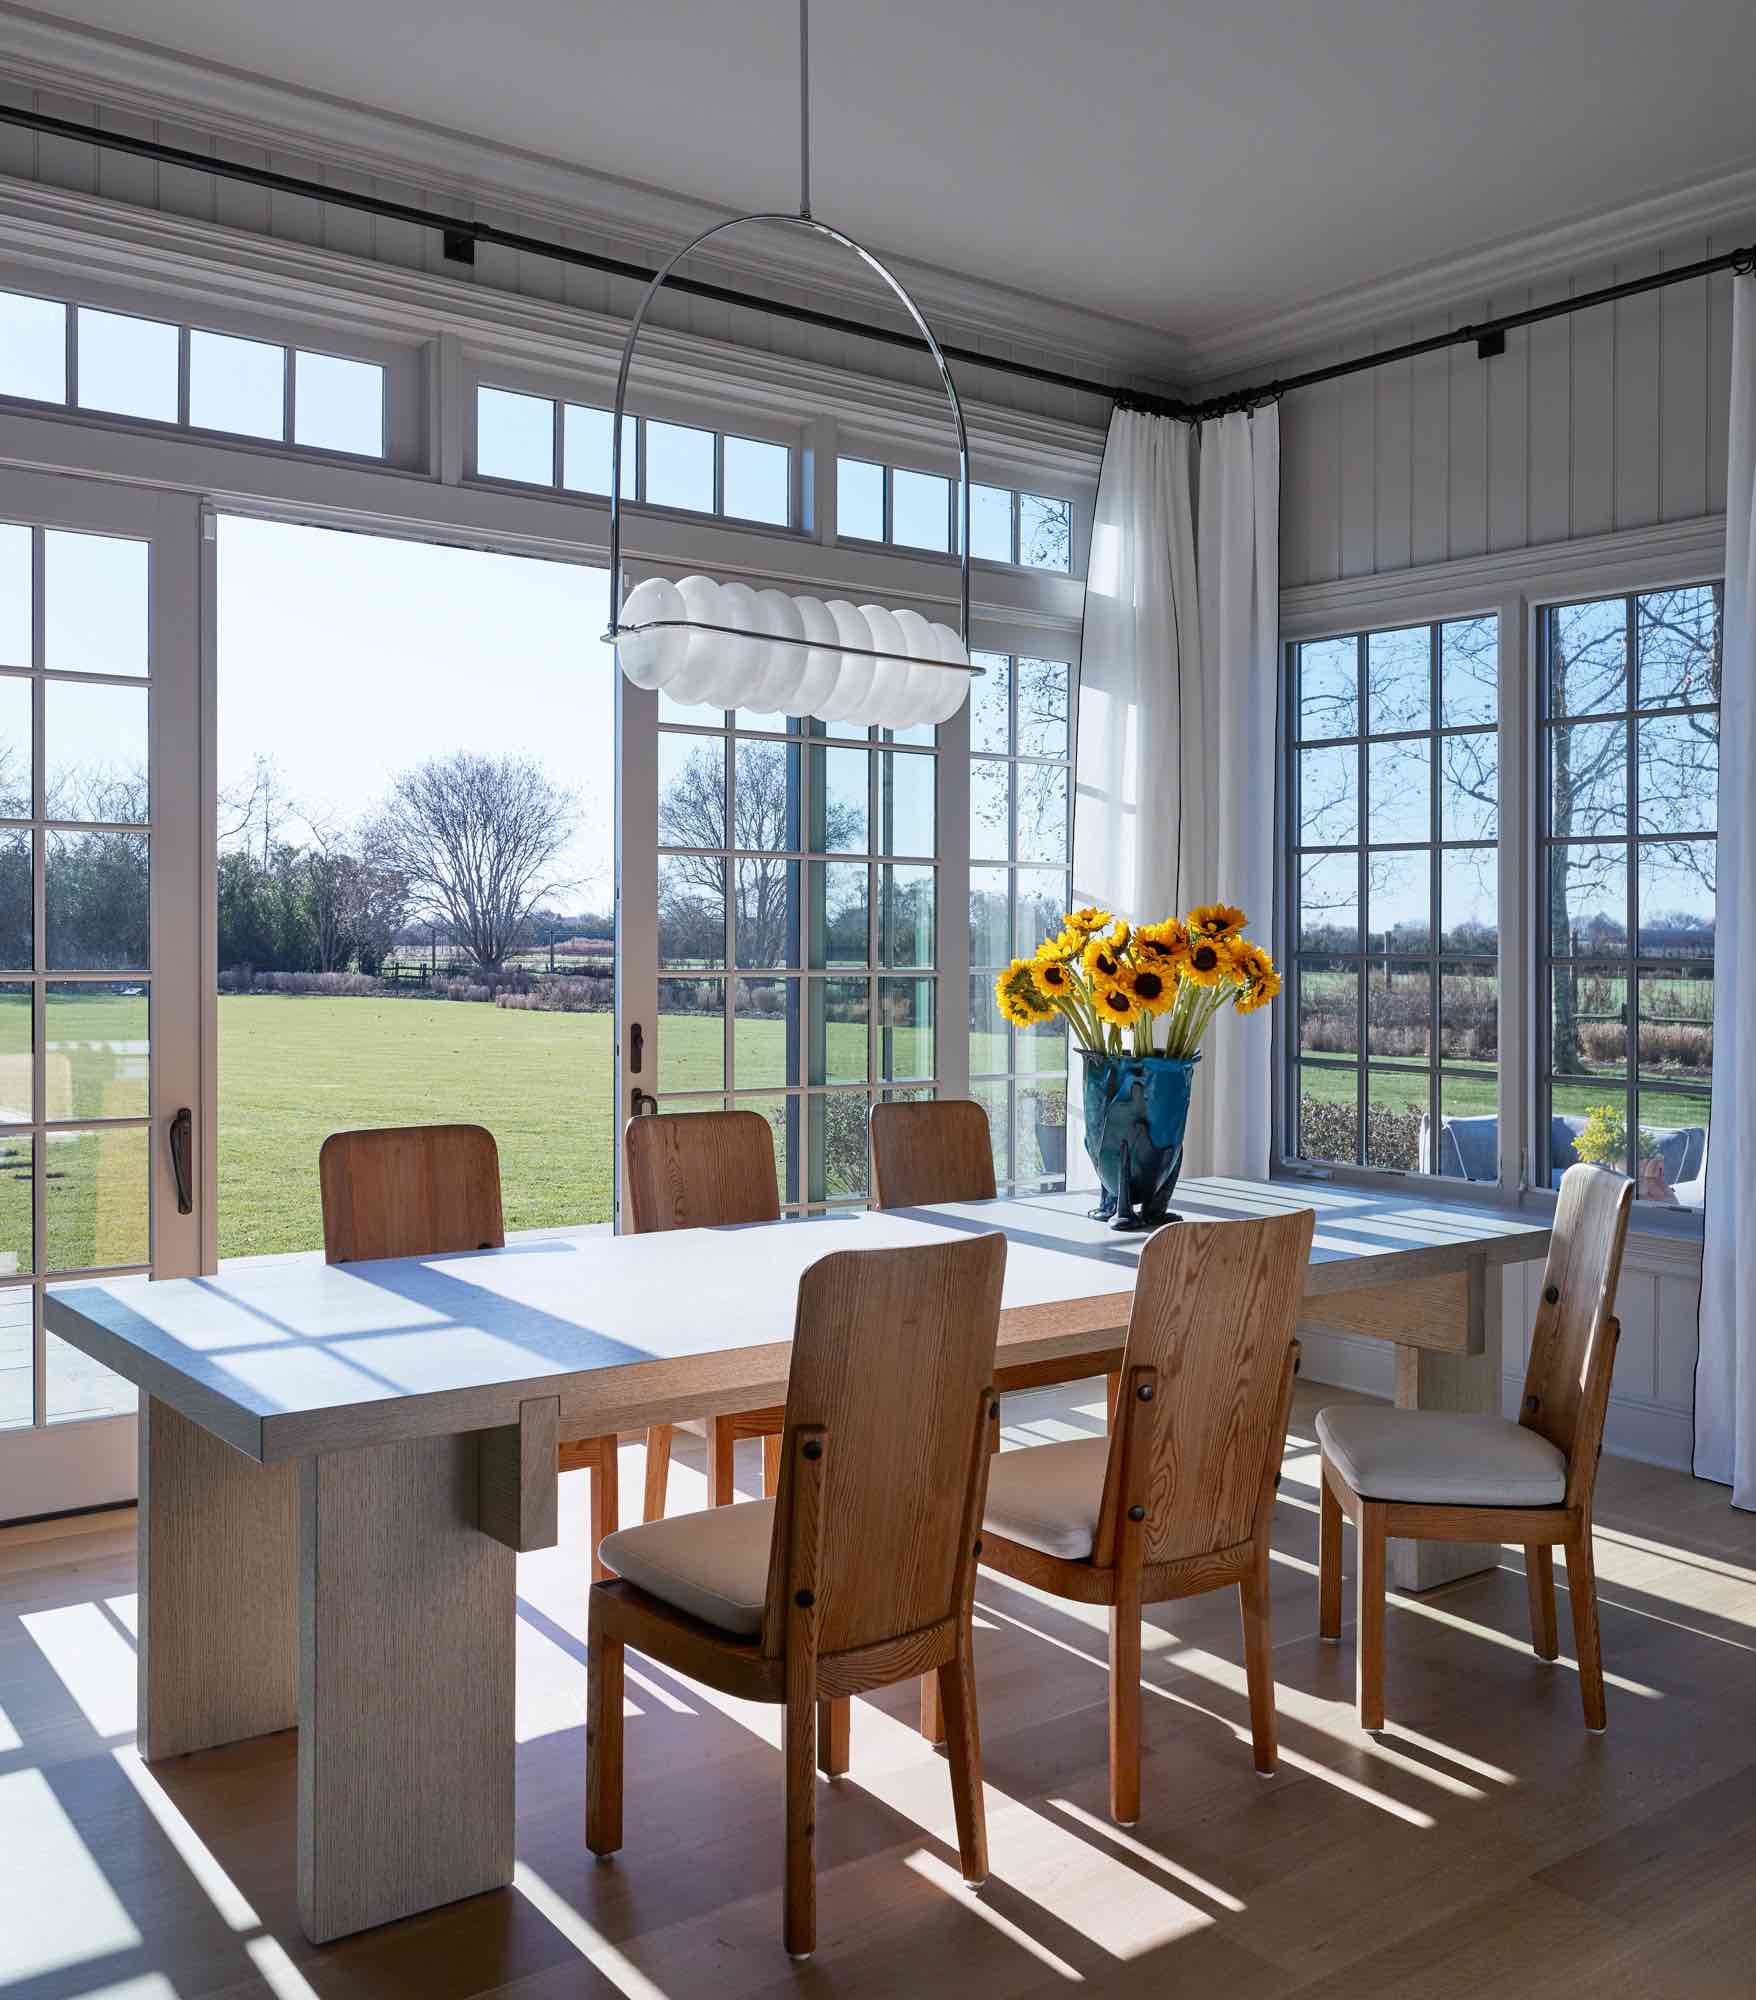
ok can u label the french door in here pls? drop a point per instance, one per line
(100, 782)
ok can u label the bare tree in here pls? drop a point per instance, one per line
(356, 899)
(477, 839)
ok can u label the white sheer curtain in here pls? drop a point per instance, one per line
(1725, 1379)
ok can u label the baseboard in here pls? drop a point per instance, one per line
(1349, 1361)
(1643, 1431)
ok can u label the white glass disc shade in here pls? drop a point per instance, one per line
(847, 701)
(889, 696)
(700, 596)
(954, 684)
(923, 680)
(822, 669)
(739, 662)
(652, 659)
(784, 674)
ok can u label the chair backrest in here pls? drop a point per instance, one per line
(893, 1356)
(700, 1170)
(1215, 1306)
(410, 1191)
(937, 1149)
(1573, 1345)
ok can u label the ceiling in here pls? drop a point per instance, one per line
(1189, 168)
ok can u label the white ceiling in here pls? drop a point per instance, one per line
(1191, 168)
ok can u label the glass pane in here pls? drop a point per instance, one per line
(94, 751)
(16, 902)
(1587, 1121)
(1588, 1021)
(838, 1030)
(1469, 672)
(1588, 658)
(1673, 1147)
(15, 1306)
(692, 911)
(1469, 787)
(1401, 782)
(338, 405)
(758, 481)
(96, 902)
(691, 1034)
(1045, 532)
(1474, 1095)
(906, 802)
(1399, 901)
(94, 604)
(840, 1146)
(765, 1033)
(1329, 902)
(906, 926)
(1042, 905)
(782, 1114)
(237, 385)
(990, 809)
(990, 1050)
(905, 1028)
(990, 523)
(1040, 1141)
(1676, 1024)
(1399, 1010)
(1469, 1013)
(585, 451)
(1678, 777)
(1329, 1009)
(15, 747)
(767, 915)
(1329, 797)
(94, 1199)
(1677, 632)
(127, 366)
(79, 1387)
(1588, 900)
(515, 437)
(990, 919)
(859, 500)
(842, 780)
(1469, 899)
(1042, 1050)
(996, 1100)
(1329, 688)
(691, 790)
(33, 348)
(919, 510)
(1399, 680)
(15, 1060)
(1044, 708)
(990, 697)
(839, 895)
(1396, 1105)
(767, 796)
(1329, 1113)
(679, 467)
(15, 595)
(95, 1050)
(15, 1203)
(1588, 779)
(1044, 830)
(1677, 898)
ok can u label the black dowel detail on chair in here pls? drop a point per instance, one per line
(804, 1599)
(1137, 1513)
(1533, 1404)
(812, 1448)
(978, 1547)
(1552, 1295)
(1144, 1392)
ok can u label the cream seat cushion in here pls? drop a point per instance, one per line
(712, 1564)
(1433, 1455)
(1047, 1496)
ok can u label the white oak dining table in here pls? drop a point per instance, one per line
(338, 1464)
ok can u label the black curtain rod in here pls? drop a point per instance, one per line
(459, 237)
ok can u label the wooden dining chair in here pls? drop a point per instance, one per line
(931, 1150)
(1430, 1475)
(1179, 1499)
(427, 1191)
(859, 1572)
(704, 1170)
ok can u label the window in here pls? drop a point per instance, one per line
(1629, 691)
(920, 510)
(1020, 845)
(1394, 826)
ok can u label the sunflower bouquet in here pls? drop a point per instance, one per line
(1113, 979)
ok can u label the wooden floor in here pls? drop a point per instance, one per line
(1484, 1846)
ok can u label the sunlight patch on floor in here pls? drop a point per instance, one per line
(585, 1938)
(93, 1661)
(219, 1888)
(931, 1869)
(1119, 1836)
(283, 1978)
(56, 1907)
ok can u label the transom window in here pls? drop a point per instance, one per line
(920, 510)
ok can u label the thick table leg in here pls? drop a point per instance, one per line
(219, 1589)
(405, 1686)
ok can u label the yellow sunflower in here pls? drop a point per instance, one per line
(1120, 935)
(1117, 1005)
(1087, 921)
(1064, 945)
(1216, 921)
(1256, 969)
(1054, 977)
(1209, 962)
(1163, 945)
(1018, 996)
(1154, 990)
(1102, 961)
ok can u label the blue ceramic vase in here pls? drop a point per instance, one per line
(1135, 1111)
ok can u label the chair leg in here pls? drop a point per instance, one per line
(1539, 1577)
(932, 1710)
(963, 1738)
(1328, 1560)
(1369, 1626)
(799, 1892)
(1125, 1713)
(1259, 1664)
(606, 1502)
(834, 1727)
(1582, 1591)
(603, 1740)
(771, 1445)
(658, 1470)
(721, 1442)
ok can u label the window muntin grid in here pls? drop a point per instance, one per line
(905, 509)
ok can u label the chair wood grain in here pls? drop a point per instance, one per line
(937, 1150)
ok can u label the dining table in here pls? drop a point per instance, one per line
(339, 1464)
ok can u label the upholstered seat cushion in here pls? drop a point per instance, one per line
(1047, 1496)
(712, 1564)
(1432, 1455)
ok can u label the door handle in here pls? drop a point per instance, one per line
(642, 1104)
(182, 1141)
(636, 1048)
